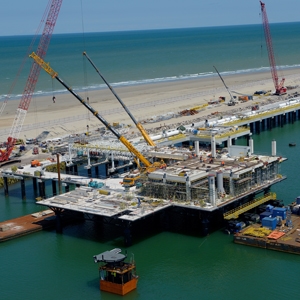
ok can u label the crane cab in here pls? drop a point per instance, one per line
(116, 275)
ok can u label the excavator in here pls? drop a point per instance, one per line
(148, 166)
(137, 124)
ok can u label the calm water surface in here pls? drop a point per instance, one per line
(47, 265)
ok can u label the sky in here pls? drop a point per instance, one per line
(20, 17)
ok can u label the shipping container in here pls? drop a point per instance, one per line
(265, 214)
(279, 211)
(269, 222)
(243, 98)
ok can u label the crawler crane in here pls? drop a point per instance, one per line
(279, 87)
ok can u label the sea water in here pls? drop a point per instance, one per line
(135, 57)
(47, 265)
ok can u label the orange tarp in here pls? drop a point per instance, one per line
(275, 235)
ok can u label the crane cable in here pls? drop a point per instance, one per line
(53, 90)
(85, 80)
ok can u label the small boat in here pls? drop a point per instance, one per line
(292, 144)
(116, 275)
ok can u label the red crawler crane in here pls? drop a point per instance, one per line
(32, 79)
(280, 89)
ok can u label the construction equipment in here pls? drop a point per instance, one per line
(279, 88)
(35, 163)
(137, 124)
(16, 128)
(231, 101)
(149, 167)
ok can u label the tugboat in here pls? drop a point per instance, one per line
(116, 275)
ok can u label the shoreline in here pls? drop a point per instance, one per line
(68, 116)
(163, 80)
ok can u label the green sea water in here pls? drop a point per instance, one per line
(47, 265)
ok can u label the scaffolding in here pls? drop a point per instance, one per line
(176, 191)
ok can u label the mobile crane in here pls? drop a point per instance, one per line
(279, 87)
(53, 9)
(231, 101)
(149, 167)
(137, 124)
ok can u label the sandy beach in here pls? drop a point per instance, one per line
(67, 116)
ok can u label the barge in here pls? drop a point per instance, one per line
(279, 233)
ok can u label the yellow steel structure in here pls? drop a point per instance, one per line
(257, 232)
(199, 107)
(177, 137)
(43, 65)
(206, 134)
(144, 134)
(264, 115)
(234, 213)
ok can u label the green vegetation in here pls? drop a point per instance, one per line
(9, 180)
(14, 168)
(53, 168)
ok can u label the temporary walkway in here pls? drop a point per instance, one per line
(234, 213)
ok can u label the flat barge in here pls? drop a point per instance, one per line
(284, 238)
(25, 225)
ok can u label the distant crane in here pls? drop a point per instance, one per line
(138, 124)
(18, 122)
(231, 102)
(279, 87)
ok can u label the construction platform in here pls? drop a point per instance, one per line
(283, 238)
(26, 224)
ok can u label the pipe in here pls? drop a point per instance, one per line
(273, 148)
(251, 145)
